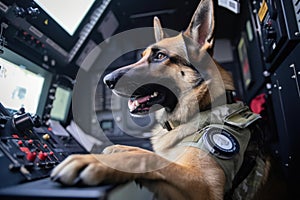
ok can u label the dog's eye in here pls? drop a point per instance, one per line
(159, 57)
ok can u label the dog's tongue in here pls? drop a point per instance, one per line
(132, 105)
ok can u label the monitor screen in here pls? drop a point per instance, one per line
(20, 87)
(68, 19)
(23, 83)
(61, 104)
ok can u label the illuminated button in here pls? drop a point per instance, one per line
(45, 146)
(30, 156)
(46, 137)
(51, 153)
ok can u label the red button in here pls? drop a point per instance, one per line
(24, 149)
(42, 156)
(15, 136)
(45, 146)
(30, 141)
(31, 156)
(51, 153)
(20, 143)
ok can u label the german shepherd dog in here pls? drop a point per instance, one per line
(177, 78)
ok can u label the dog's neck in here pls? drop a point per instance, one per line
(227, 98)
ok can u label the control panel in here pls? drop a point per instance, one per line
(273, 35)
(30, 151)
(278, 24)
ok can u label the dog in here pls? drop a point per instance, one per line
(204, 137)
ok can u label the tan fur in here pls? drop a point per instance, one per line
(172, 171)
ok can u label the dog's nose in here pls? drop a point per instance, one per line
(110, 81)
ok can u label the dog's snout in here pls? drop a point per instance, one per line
(110, 81)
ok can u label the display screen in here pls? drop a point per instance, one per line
(68, 13)
(61, 104)
(20, 87)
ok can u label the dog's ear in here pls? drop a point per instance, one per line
(158, 30)
(201, 27)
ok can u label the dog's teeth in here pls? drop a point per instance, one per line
(136, 103)
(155, 94)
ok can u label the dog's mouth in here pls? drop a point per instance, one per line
(141, 104)
(150, 98)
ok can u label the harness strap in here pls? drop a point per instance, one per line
(246, 168)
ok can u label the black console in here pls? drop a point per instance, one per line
(28, 153)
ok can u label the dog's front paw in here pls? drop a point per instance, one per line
(80, 169)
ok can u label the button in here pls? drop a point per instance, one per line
(45, 146)
(20, 142)
(15, 136)
(42, 155)
(46, 136)
(30, 142)
(24, 149)
(31, 156)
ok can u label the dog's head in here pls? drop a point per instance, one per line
(175, 71)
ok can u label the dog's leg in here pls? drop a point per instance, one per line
(120, 148)
(202, 176)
